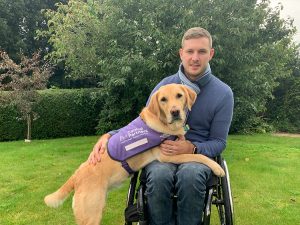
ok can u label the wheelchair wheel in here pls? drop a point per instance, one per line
(227, 196)
(135, 212)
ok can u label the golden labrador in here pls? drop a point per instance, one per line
(166, 114)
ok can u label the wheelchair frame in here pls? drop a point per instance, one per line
(218, 193)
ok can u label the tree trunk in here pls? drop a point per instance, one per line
(28, 127)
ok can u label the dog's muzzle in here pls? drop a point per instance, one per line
(175, 115)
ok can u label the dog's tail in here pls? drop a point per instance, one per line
(57, 198)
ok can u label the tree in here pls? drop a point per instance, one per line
(131, 45)
(283, 110)
(20, 83)
(11, 14)
(19, 21)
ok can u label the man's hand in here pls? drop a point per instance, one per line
(179, 146)
(99, 149)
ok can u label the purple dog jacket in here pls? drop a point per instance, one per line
(133, 139)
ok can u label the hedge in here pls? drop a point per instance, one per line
(61, 113)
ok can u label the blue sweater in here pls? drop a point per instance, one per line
(211, 115)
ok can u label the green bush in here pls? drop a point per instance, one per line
(11, 127)
(285, 108)
(61, 113)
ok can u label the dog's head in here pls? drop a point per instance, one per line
(169, 104)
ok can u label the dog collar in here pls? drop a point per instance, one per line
(186, 127)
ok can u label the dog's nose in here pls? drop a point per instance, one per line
(175, 113)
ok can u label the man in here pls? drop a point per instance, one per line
(209, 122)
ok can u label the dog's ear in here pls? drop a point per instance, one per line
(153, 105)
(191, 96)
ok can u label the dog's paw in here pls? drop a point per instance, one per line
(53, 201)
(218, 171)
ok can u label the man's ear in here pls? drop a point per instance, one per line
(191, 96)
(180, 53)
(153, 105)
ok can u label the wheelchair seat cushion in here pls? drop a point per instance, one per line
(133, 139)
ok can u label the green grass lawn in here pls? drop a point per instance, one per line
(263, 169)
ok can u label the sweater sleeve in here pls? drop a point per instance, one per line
(219, 129)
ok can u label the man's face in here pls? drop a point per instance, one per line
(195, 55)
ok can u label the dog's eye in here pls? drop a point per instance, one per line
(163, 99)
(178, 95)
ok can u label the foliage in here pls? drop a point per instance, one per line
(292, 102)
(12, 128)
(284, 109)
(127, 50)
(79, 41)
(62, 113)
(19, 21)
(11, 13)
(251, 57)
(131, 45)
(22, 81)
(68, 113)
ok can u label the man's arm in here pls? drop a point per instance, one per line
(219, 129)
(98, 149)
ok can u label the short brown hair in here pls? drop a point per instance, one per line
(196, 32)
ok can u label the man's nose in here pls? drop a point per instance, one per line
(195, 57)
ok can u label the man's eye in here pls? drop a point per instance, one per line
(163, 99)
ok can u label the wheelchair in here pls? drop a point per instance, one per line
(218, 193)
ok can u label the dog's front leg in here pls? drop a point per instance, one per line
(183, 158)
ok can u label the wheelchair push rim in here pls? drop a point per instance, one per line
(227, 196)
